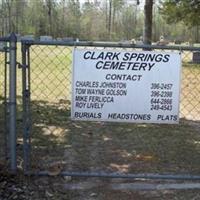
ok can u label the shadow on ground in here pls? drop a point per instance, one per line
(111, 147)
(108, 147)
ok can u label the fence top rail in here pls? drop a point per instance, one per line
(11, 38)
(4, 39)
(108, 44)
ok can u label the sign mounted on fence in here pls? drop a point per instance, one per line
(126, 86)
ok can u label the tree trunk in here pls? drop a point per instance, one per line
(110, 18)
(147, 34)
(113, 18)
(63, 19)
(135, 20)
(2, 19)
(106, 12)
(8, 4)
(196, 28)
(49, 12)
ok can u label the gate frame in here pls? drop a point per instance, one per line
(26, 44)
(5, 101)
(10, 105)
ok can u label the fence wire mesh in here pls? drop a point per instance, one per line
(57, 143)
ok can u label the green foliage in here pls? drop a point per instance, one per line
(72, 19)
(187, 11)
(113, 20)
(102, 20)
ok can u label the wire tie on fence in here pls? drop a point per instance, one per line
(27, 93)
(180, 50)
(20, 66)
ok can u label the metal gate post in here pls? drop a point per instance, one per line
(12, 103)
(6, 109)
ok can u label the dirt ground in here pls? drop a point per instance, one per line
(64, 145)
(65, 188)
(112, 147)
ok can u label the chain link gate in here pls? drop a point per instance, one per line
(60, 146)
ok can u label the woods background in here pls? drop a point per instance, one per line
(113, 20)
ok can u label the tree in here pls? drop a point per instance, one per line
(117, 7)
(110, 17)
(93, 22)
(148, 9)
(88, 14)
(128, 25)
(51, 17)
(36, 18)
(112, 7)
(187, 11)
(73, 15)
(3, 15)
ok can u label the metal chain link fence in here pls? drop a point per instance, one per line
(59, 144)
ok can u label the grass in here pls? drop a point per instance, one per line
(51, 73)
(104, 146)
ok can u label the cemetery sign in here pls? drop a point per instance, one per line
(126, 86)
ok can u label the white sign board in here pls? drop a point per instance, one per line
(126, 86)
